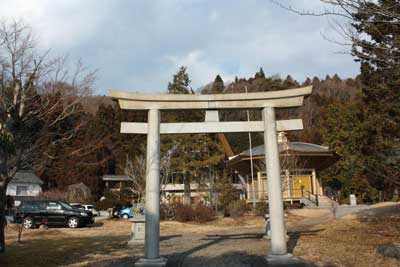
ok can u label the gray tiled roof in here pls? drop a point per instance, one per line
(291, 146)
(114, 177)
(26, 177)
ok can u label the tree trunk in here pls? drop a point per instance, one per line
(4, 180)
(186, 191)
(3, 222)
(212, 199)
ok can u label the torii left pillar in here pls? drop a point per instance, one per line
(152, 204)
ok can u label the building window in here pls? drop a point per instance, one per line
(22, 190)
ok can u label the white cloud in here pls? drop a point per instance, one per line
(139, 45)
(57, 24)
(201, 69)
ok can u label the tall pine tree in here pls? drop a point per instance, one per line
(379, 54)
(191, 154)
(218, 85)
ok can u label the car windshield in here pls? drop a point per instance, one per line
(65, 205)
(89, 207)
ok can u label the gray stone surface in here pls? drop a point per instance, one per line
(159, 262)
(152, 203)
(391, 250)
(278, 231)
(345, 210)
(138, 229)
(286, 260)
(281, 98)
(353, 200)
(210, 127)
(156, 102)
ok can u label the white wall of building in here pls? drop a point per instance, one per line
(31, 189)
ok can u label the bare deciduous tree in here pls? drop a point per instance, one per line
(36, 95)
(346, 15)
(136, 171)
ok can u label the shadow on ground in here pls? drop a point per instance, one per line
(294, 237)
(53, 247)
(229, 259)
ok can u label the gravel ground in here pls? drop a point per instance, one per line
(222, 243)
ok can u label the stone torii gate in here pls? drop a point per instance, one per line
(266, 101)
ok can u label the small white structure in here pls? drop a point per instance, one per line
(24, 184)
(353, 200)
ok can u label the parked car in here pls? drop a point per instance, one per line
(92, 209)
(33, 213)
(122, 212)
(76, 205)
(87, 207)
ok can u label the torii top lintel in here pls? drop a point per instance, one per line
(142, 101)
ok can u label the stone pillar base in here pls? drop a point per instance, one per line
(286, 260)
(137, 231)
(160, 262)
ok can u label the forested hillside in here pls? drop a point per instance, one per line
(100, 149)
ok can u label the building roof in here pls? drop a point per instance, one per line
(312, 155)
(296, 147)
(117, 178)
(26, 177)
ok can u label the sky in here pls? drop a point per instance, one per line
(138, 45)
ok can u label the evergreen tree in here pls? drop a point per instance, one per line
(307, 82)
(260, 74)
(289, 83)
(218, 85)
(180, 83)
(343, 129)
(315, 80)
(336, 78)
(379, 54)
(191, 154)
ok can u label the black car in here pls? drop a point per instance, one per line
(34, 213)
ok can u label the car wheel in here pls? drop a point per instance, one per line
(28, 223)
(73, 222)
(125, 216)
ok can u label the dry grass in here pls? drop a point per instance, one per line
(351, 241)
(171, 227)
(309, 213)
(348, 242)
(60, 246)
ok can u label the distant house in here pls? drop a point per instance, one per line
(24, 184)
(174, 189)
(115, 182)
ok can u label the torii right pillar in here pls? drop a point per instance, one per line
(279, 255)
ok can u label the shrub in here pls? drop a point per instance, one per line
(237, 209)
(110, 200)
(203, 213)
(261, 208)
(54, 195)
(227, 194)
(293, 206)
(167, 212)
(184, 213)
